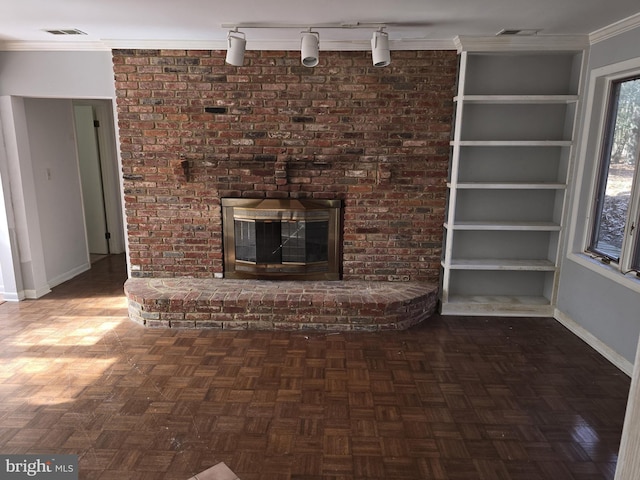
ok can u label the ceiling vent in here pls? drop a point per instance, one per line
(517, 32)
(65, 31)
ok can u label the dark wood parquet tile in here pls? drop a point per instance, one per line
(455, 398)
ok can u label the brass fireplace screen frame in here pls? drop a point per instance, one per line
(291, 219)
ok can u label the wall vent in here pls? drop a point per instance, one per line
(518, 32)
(65, 31)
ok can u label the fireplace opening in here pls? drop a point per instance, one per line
(281, 238)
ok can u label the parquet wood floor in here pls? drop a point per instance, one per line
(455, 398)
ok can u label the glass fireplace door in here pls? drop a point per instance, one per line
(280, 242)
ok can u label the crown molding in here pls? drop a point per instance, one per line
(77, 46)
(524, 43)
(281, 45)
(419, 44)
(615, 29)
(142, 44)
(285, 45)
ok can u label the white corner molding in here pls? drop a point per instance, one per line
(142, 44)
(614, 29)
(516, 43)
(291, 44)
(598, 345)
(35, 293)
(13, 296)
(60, 46)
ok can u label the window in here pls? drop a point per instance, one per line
(614, 235)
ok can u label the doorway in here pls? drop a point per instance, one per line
(99, 179)
(95, 214)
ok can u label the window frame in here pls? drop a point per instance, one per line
(629, 259)
(584, 171)
(634, 213)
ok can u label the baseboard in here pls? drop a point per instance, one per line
(13, 296)
(33, 294)
(594, 342)
(53, 282)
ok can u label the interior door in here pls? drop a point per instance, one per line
(91, 178)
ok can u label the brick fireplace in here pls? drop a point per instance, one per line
(194, 131)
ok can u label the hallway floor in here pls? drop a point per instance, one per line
(454, 398)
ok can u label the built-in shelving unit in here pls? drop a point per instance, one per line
(511, 152)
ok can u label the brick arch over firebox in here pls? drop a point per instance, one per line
(194, 130)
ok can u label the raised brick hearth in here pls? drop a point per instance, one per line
(279, 305)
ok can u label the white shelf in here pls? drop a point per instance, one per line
(499, 264)
(511, 143)
(508, 186)
(521, 106)
(512, 226)
(511, 305)
(517, 99)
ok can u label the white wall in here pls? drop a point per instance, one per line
(591, 296)
(56, 177)
(57, 74)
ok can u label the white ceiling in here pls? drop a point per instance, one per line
(199, 23)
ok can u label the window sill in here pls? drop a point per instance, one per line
(610, 271)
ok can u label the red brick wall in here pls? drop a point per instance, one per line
(194, 130)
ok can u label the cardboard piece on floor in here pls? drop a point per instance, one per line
(217, 472)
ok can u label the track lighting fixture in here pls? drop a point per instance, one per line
(310, 48)
(236, 43)
(309, 42)
(380, 49)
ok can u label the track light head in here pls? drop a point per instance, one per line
(236, 43)
(380, 49)
(310, 48)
